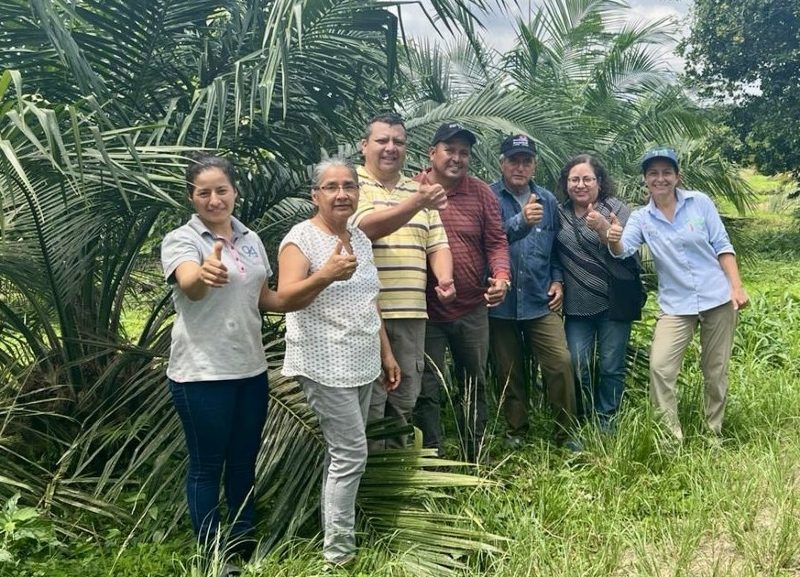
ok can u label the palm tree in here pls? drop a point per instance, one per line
(93, 133)
(111, 97)
(580, 78)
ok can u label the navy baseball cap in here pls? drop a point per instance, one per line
(663, 153)
(450, 130)
(518, 144)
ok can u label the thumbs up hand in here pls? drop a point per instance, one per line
(496, 292)
(614, 232)
(595, 220)
(533, 211)
(340, 265)
(212, 272)
(430, 195)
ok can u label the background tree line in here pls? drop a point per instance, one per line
(745, 55)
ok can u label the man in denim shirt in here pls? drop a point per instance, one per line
(528, 321)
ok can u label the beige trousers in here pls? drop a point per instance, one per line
(671, 338)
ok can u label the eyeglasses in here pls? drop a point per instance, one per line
(587, 180)
(334, 188)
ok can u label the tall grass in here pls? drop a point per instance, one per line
(624, 506)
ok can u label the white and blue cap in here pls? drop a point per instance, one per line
(663, 153)
(518, 144)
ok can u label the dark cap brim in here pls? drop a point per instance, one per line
(462, 132)
(649, 161)
(519, 150)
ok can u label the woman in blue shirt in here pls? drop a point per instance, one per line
(698, 283)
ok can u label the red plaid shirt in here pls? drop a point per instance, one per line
(478, 243)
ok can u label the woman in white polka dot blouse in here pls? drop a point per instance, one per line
(336, 346)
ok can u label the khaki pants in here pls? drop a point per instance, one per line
(544, 337)
(670, 340)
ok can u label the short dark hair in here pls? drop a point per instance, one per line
(604, 181)
(202, 161)
(390, 118)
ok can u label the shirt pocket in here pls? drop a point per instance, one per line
(695, 230)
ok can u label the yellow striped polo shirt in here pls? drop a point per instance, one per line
(401, 257)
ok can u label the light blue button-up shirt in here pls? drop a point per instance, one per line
(685, 252)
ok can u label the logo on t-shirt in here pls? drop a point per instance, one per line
(249, 251)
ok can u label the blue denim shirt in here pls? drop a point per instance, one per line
(534, 262)
(685, 251)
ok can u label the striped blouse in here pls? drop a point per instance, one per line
(583, 257)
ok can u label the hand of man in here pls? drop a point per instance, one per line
(446, 291)
(390, 378)
(496, 292)
(556, 294)
(533, 211)
(432, 196)
(339, 266)
(212, 272)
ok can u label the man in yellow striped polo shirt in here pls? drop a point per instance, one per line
(401, 218)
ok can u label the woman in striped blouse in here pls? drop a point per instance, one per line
(595, 341)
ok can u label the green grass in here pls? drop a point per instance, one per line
(763, 184)
(628, 505)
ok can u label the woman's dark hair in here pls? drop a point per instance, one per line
(201, 161)
(604, 181)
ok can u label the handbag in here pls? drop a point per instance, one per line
(626, 293)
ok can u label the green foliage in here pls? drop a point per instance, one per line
(748, 52)
(580, 78)
(99, 104)
(24, 531)
(93, 139)
(625, 506)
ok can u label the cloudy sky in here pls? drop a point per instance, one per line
(499, 27)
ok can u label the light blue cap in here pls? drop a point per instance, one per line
(662, 152)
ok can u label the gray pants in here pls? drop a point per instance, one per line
(407, 337)
(342, 414)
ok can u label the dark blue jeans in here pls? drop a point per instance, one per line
(597, 337)
(222, 421)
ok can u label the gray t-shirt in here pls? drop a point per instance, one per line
(218, 337)
(523, 196)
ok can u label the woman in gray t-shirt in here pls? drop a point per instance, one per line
(217, 369)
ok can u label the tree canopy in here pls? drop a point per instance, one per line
(746, 53)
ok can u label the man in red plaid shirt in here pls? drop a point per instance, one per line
(482, 275)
